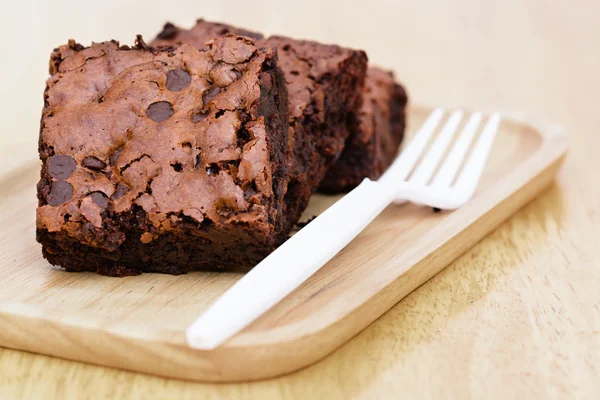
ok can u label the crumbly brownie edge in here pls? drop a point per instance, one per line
(274, 101)
(361, 160)
(325, 139)
(190, 247)
(357, 161)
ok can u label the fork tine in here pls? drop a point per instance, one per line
(426, 168)
(402, 166)
(450, 167)
(469, 177)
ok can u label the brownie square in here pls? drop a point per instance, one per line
(324, 83)
(376, 133)
(162, 161)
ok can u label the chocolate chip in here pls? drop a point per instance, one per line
(100, 199)
(61, 166)
(199, 116)
(178, 79)
(60, 192)
(94, 163)
(120, 191)
(160, 111)
(237, 74)
(210, 94)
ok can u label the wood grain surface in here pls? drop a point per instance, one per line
(517, 316)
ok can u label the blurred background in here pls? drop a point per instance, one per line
(451, 53)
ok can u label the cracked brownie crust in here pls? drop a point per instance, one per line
(199, 34)
(162, 161)
(324, 83)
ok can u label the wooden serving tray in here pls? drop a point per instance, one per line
(138, 323)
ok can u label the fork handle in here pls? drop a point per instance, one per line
(289, 265)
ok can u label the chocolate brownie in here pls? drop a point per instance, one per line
(324, 83)
(376, 134)
(162, 161)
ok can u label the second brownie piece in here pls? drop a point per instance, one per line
(162, 161)
(324, 83)
(376, 133)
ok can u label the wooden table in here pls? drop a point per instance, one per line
(518, 316)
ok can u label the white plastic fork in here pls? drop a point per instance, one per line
(308, 250)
